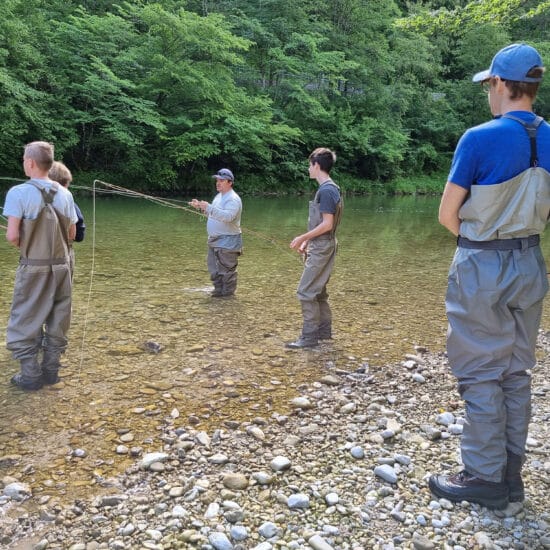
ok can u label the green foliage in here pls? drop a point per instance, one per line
(156, 95)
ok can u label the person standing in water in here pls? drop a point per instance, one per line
(41, 224)
(225, 241)
(319, 246)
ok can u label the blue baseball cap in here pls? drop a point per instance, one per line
(512, 63)
(224, 174)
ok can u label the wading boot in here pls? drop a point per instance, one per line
(325, 330)
(309, 337)
(302, 343)
(325, 321)
(465, 486)
(50, 367)
(513, 479)
(30, 377)
(29, 384)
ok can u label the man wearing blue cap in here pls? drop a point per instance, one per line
(497, 202)
(224, 234)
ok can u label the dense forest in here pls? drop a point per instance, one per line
(157, 95)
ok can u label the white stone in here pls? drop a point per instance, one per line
(151, 458)
(280, 463)
(317, 542)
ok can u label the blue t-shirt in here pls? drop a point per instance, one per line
(497, 151)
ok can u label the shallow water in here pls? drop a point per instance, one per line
(141, 277)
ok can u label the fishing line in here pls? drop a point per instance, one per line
(171, 204)
(90, 286)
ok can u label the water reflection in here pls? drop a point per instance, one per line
(146, 280)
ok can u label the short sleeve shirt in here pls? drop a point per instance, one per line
(25, 201)
(497, 151)
(329, 197)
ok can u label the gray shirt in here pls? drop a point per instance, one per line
(224, 221)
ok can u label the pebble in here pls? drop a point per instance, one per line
(178, 511)
(239, 533)
(298, 500)
(422, 543)
(280, 463)
(79, 453)
(127, 530)
(219, 458)
(446, 418)
(151, 458)
(357, 452)
(386, 472)
(268, 530)
(348, 408)
(319, 543)
(220, 541)
(235, 481)
(263, 478)
(301, 403)
(17, 491)
(212, 511)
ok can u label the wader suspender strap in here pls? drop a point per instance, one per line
(48, 197)
(531, 128)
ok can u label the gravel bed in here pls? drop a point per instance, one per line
(346, 469)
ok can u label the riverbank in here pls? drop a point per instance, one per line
(347, 469)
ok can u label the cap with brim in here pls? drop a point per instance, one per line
(512, 63)
(224, 174)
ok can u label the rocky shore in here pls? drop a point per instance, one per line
(347, 468)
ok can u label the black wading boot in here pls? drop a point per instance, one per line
(30, 377)
(310, 329)
(50, 367)
(50, 378)
(465, 486)
(29, 384)
(513, 479)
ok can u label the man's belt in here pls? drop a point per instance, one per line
(500, 244)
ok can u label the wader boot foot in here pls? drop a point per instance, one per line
(29, 384)
(50, 367)
(50, 378)
(513, 479)
(302, 343)
(465, 486)
(217, 294)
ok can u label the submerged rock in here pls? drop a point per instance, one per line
(152, 347)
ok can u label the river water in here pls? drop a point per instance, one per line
(141, 277)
